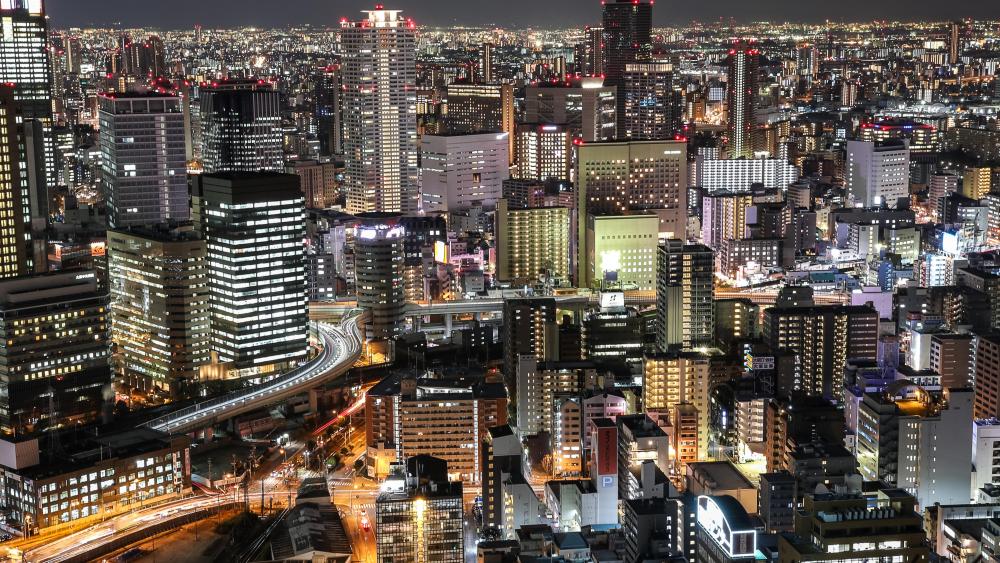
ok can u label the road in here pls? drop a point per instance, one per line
(341, 350)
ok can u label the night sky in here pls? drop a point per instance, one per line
(172, 14)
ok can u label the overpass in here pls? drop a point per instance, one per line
(342, 347)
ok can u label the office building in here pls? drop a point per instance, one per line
(143, 160)
(985, 453)
(776, 501)
(830, 528)
(909, 437)
(627, 38)
(419, 516)
(741, 87)
(653, 529)
(584, 105)
(878, 173)
(54, 369)
(318, 181)
(621, 252)
(640, 440)
(405, 417)
(254, 227)
(26, 66)
(378, 270)
(380, 121)
(460, 171)
(715, 175)
(613, 334)
(532, 243)
(23, 200)
(939, 187)
(479, 108)
(330, 110)
(652, 107)
(91, 478)
(159, 307)
(544, 151)
(685, 287)
(241, 127)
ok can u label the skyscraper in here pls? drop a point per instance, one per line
(159, 306)
(16, 195)
(954, 42)
(25, 64)
(685, 313)
(240, 127)
(628, 38)
(378, 267)
(652, 107)
(742, 83)
(486, 54)
(253, 226)
(585, 106)
(143, 165)
(330, 111)
(380, 133)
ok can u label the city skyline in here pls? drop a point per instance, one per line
(555, 14)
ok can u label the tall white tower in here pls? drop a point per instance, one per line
(380, 112)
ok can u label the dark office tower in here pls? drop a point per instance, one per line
(379, 264)
(486, 54)
(954, 42)
(54, 366)
(652, 107)
(477, 108)
(329, 111)
(143, 161)
(25, 64)
(15, 192)
(380, 116)
(628, 36)
(529, 329)
(241, 127)
(143, 59)
(743, 63)
(685, 312)
(253, 225)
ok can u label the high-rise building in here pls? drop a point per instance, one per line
(25, 65)
(459, 171)
(478, 108)
(544, 151)
(685, 287)
(954, 42)
(679, 383)
(910, 437)
(419, 515)
(878, 173)
(380, 115)
(486, 55)
(143, 161)
(729, 175)
(529, 329)
(532, 242)
(652, 107)
(330, 111)
(404, 417)
(627, 38)
(254, 228)
(984, 374)
(584, 105)
(823, 337)
(318, 181)
(620, 252)
(378, 269)
(18, 195)
(159, 306)
(241, 127)
(744, 60)
(54, 369)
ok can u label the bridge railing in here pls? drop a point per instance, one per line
(351, 319)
